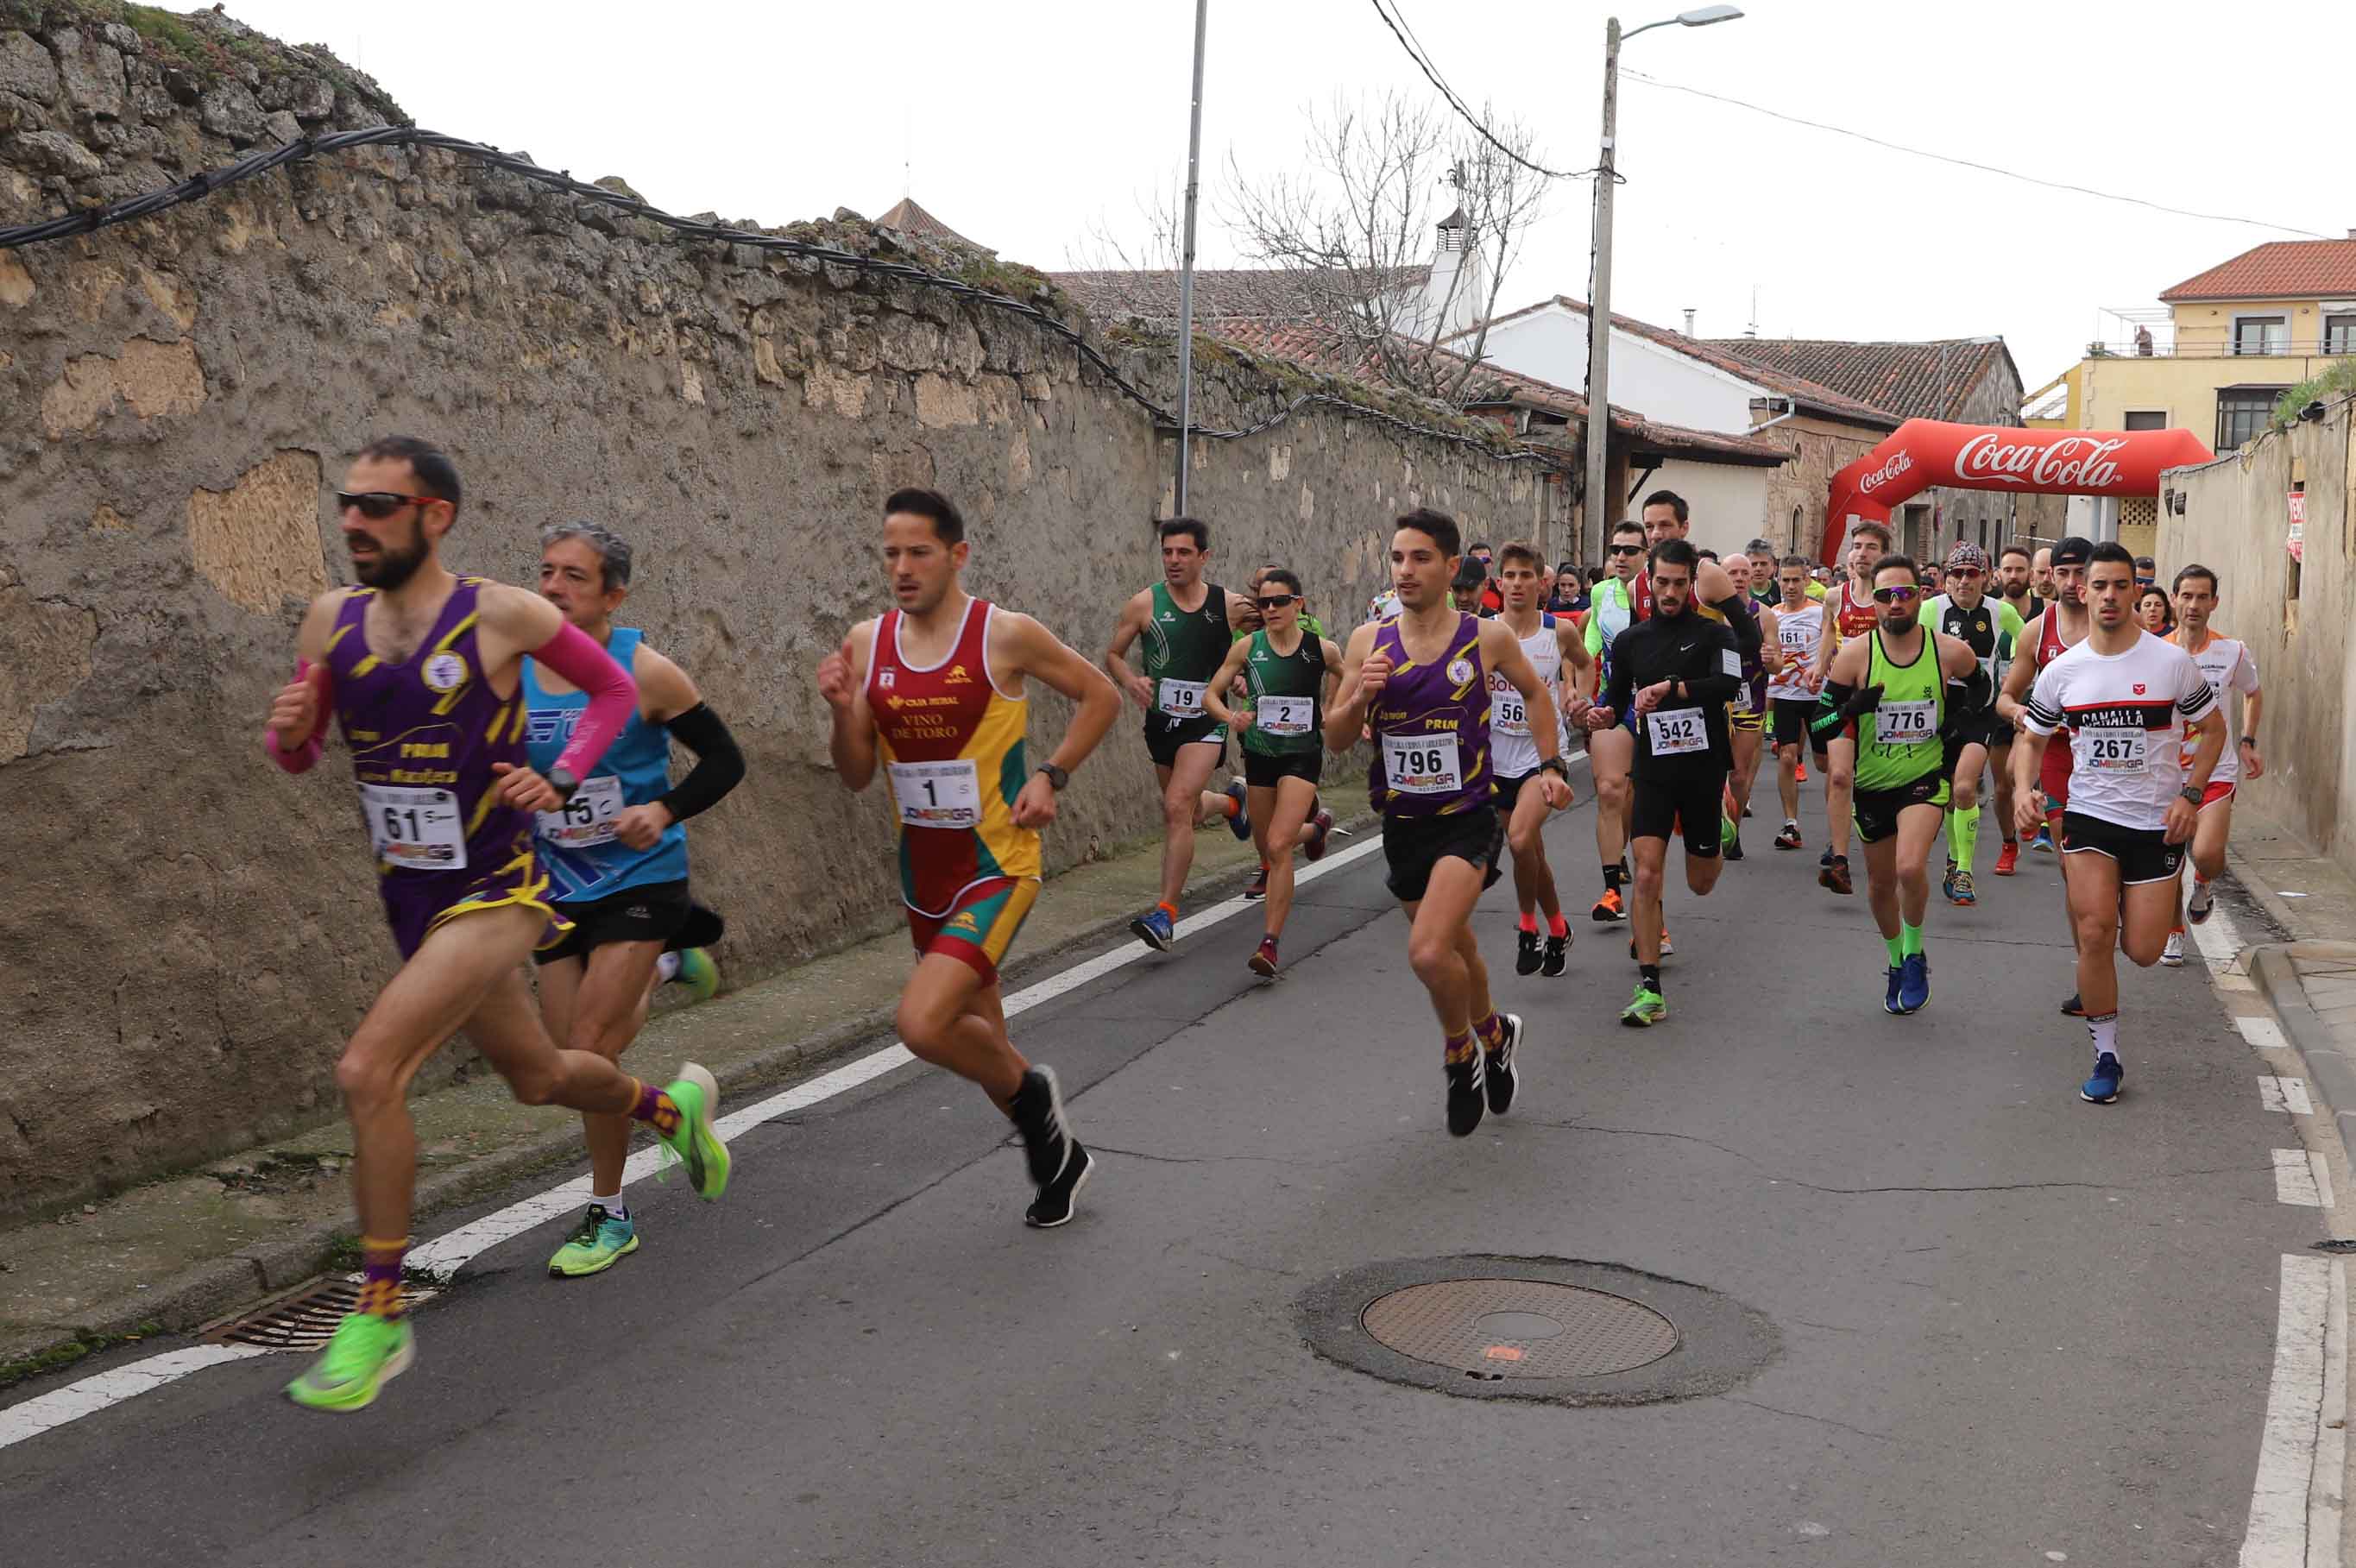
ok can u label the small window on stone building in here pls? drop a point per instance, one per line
(2339, 335)
(2147, 418)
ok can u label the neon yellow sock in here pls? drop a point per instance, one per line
(1910, 940)
(1964, 835)
(1890, 943)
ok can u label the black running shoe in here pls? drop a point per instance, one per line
(1257, 887)
(1526, 952)
(1038, 1111)
(1053, 1207)
(1466, 1096)
(1733, 850)
(2074, 1006)
(1498, 1073)
(1557, 955)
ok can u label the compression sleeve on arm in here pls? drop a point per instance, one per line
(1831, 707)
(300, 760)
(719, 765)
(613, 696)
(1740, 622)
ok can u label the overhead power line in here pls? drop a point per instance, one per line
(1432, 74)
(1967, 163)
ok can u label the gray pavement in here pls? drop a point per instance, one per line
(2007, 1325)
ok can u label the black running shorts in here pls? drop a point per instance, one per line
(1413, 845)
(1262, 772)
(2144, 854)
(1689, 804)
(1876, 810)
(1791, 716)
(657, 911)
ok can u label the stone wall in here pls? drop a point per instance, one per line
(2236, 522)
(189, 933)
(1798, 491)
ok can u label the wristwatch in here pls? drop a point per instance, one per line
(561, 780)
(2191, 795)
(1558, 767)
(1056, 777)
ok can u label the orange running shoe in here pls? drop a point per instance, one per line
(1800, 771)
(1609, 907)
(2009, 862)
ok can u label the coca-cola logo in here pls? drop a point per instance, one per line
(1899, 463)
(2078, 464)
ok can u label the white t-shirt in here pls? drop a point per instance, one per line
(2126, 713)
(1797, 632)
(1513, 751)
(1383, 605)
(2227, 666)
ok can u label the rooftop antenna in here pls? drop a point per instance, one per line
(907, 151)
(1753, 330)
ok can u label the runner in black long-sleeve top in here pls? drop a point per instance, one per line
(1673, 674)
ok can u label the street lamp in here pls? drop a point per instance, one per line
(1599, 307)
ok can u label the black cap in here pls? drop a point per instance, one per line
(1469, 575)
(2143, 563)
(2075, 550)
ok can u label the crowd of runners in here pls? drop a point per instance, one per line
(512, 750)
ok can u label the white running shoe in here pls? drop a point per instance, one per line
(2172, 955)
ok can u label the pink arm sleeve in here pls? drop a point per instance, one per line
(299, 761)
(613, 696)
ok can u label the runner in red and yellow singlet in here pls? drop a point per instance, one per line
(1848, 614)
(933, 692)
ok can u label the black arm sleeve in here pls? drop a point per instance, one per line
(719, 765)
(1622, 688)
(1832, 707)
(1741, 623)
(1706, 679)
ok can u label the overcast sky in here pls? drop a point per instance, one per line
(1027, 124)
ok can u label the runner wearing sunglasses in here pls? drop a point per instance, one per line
(1974, 735)
(1187, 625)
(1892, 685)
(1248, 620)
(420, 670)
(1289, 673)
(1556, 650)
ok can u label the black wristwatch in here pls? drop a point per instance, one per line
(1057, 779)
(2247, 741)
(1558, 767)
(2191, 793)
(561, 780)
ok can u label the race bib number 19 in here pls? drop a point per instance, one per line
(1182, 698)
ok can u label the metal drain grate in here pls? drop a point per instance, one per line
(305, 1318)
(1519, 1328)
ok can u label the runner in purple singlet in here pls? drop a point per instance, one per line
(1420, 680)
(421, 670)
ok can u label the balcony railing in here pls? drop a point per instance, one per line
(2334, 347)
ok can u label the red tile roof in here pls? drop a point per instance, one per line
(2277, 270)
(909, 218)
(1913, 380)
(1273, 294)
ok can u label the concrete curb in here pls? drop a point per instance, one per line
(197, 1296)
(2246, 876)
(2331, 1071)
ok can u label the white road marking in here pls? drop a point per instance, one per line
(2295, 1179)
(2324, 1503)
(2264, 1034)
(2286, 1094)
(2219, 939)
(2279, 1535)
(447, 1254)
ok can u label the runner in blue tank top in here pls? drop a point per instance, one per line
(616, 856)
(419, 667)
(1420, 680)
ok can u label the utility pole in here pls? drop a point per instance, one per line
(1598, 317)
(1186, 265)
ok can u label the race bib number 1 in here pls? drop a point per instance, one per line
(937, 794)
(1422, 764)
(415, 829)
(587, 819)
(1182, 699)
(1675, 731)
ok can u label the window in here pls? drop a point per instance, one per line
(2340, 333)
(2262, 335)
(2147, 418)
(2242, 414)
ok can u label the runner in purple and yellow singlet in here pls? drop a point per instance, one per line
(422, 671)
(931, 694)
(1418, 680)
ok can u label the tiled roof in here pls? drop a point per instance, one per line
(2279, 269)
(1271, 293)
(909, 218)
(1913, 380)
(1812, 397)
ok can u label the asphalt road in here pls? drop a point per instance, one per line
(2005, 1324)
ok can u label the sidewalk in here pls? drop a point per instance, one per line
(178, 1251)
(2310, 979)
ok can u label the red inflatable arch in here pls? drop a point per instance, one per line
(1921, 453)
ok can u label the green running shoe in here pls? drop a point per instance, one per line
(694, 1142)
(698, 973)
(600, 1241)
(1644, 1009)
(365, 1353)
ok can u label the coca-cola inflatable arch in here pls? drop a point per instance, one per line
(1921, 453)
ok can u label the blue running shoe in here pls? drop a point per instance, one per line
(2104, 1086)
(1240, 823)
(1153, 928)
(1913, 983)
(1896, 978)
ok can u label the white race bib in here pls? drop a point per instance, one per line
(587, 819)
(2112, 751)
(1182, 698)
(1285, 715)
(415, 829)
(937, 794)
(1906, 723)
(1422, 764)
(1507, 714)
(1731, 662)
(1676, 730)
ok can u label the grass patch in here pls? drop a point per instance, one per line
(85, 1342)
(2338, 380)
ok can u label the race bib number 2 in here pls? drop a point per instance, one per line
(415, 829)
(1284, 715)
(1422, 764)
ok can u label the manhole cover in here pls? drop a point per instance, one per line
(1520, 1328)
(1560, 1329)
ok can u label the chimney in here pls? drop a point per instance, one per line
(1456, 289)
(1689, 323)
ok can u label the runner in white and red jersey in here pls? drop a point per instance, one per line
(2134, 705)
(2229, 669)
